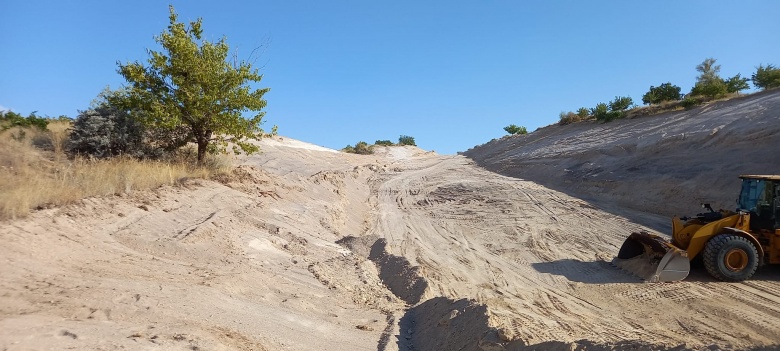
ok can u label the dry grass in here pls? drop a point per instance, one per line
(35, 173)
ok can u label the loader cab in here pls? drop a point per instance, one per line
(760, 196)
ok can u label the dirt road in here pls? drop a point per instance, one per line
(303, 248)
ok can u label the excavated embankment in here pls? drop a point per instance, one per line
(666, 164)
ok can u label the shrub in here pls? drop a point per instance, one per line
(569, 118)
(514, 130)
(711, 89)
(361, 148)
(406, 140)
(766, 77)
(10, 119)
(583, 113)
(690, 102)
(621, 103)
(612, 111)
(661, 93)
(384, 143)
(600, 111)
(105, 132)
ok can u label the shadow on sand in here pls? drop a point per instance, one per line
(445, 324)
(592, 272)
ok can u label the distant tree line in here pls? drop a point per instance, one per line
(667, 96)
(363, 148)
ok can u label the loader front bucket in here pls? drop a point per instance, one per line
(652, 258)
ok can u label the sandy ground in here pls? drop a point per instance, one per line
(303, 248)
(667, 164)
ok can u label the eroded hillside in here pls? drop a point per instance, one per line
(666, 164)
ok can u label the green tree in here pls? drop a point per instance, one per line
(191, 84)
(766, 77)
(664, 92)
(709, 83)
(514, 129)
(384, 142)
(736, 84)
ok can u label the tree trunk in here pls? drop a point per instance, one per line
(203, 144)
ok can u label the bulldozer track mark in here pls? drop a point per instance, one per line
(486, 239)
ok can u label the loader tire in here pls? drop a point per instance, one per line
(730, 258)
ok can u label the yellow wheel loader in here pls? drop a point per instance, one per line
(732, 244)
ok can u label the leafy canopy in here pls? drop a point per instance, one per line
(766, 77)
(664, 92)
(514, 129)
(191, 84)
(710, 84)
(736, 84)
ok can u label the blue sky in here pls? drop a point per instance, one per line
(452, 74)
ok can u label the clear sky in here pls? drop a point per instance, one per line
(452, 74)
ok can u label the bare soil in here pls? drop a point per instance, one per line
(305, 248)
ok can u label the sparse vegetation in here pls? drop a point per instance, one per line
(364, 148)
(515, 130)
(34, 172)
(667, 97)
(10, 119)
(766, 77)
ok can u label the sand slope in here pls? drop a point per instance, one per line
(303, 248)
(666, 164)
